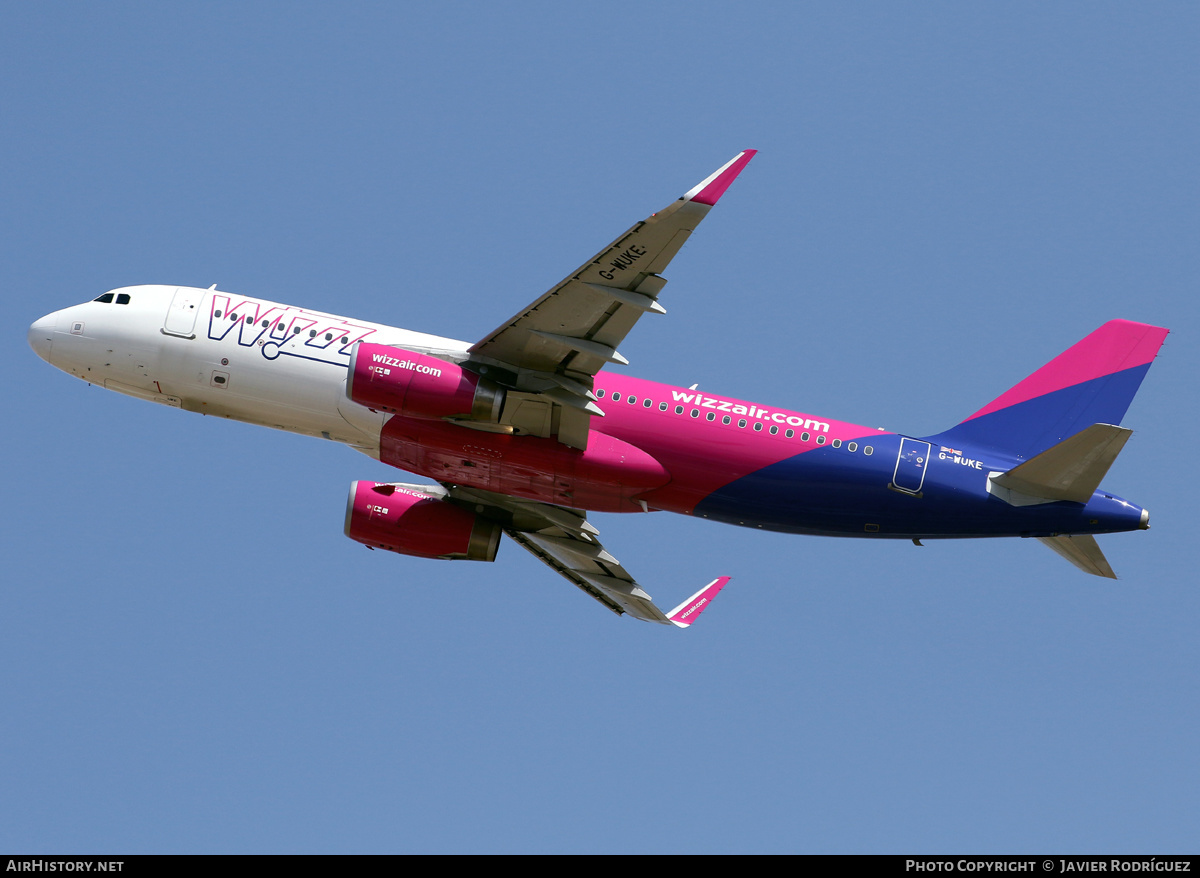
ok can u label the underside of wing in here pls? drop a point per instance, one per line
(565, 541)
(549, 353)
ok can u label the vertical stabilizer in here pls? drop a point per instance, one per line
(1092, 382)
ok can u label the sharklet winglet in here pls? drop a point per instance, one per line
(687, 612)
(710, 190)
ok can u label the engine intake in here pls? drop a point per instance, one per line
(410, 522)
(415, 385)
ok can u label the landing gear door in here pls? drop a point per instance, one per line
(181, 317)
(911, 464)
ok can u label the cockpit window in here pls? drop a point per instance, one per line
(123, 298)
(106, 298)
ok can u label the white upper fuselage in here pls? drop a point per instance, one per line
(228, 355)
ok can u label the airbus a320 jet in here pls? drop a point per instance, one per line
(523, 434)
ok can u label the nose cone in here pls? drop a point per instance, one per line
(41, 336)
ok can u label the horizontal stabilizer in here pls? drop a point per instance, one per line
(1070, 470)
(1083, 551)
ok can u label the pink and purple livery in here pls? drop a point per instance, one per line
(523, 432)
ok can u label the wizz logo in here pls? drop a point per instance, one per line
(280, 329)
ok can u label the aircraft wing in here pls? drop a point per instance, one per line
(563, 540)
(551, 351)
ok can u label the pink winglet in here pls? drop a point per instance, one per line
(714, 187)
(1117, 345)
(685, 614)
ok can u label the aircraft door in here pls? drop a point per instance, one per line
(181, 316)
(911, 463)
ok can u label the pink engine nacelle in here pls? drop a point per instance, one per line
(409, 522)
(414, 385)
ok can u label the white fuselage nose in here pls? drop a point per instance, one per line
(222, 354)
(41, 336)
(105, 342)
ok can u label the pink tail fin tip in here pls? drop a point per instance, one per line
(687, 612)
(1117, 345)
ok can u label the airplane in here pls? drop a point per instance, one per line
(524, 432)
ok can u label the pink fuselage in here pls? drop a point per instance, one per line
(636, 452)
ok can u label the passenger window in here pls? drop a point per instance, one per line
(616, 397)
(820, 440)
(249, 319)
(679, 410)
(265, 322)
(123, 298)
(758, 426)
(853, 446)
(647, 403)
(312, 333)
(695, 413)
(726, 419)
(106, 298)
(837, 443)
(868, 450)
(774, 431)
(741, 422)
(804, 437)
(632, 400)
(329, 336)
(662, 406)
(790, 433)
(712, 416)
(217, 313)
(600, 394)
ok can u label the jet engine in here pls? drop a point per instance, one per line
(411, 522)
(402, 382)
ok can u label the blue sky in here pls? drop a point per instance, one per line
(194, 658)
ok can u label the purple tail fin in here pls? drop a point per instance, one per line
(1092, 382)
